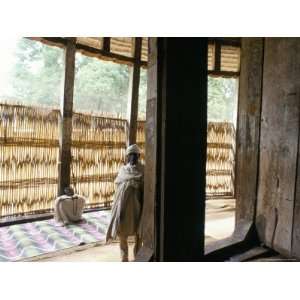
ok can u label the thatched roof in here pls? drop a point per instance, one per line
(223, 53)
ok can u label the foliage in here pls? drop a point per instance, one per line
(37, 74)
(99, 85)
(222, 99)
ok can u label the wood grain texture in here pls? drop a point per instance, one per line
(296, 224)
(133, 99)
(65, 118)
(148, 214)
(279, 143)
(248, 128)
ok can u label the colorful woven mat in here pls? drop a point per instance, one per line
(27, 240)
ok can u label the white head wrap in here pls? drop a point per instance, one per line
(133, 149)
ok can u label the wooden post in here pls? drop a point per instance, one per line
(248, 129)
(176, 130)
(65, 120)
(152, 127)
(133, 99)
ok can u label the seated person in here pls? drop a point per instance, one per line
(68, 208)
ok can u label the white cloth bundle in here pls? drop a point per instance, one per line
(69, 209)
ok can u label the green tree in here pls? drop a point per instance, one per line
(221, 99)
(100, 86)
(37, 74)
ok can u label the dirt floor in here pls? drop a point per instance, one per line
(219, 224)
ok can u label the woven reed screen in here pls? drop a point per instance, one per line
(28, 159)
(98, 151)
(220, 163)
(29, 156)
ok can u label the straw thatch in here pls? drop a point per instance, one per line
(220, 162)
(210, 57)
(94, 42)
(98, 151)
(144, 55)
(122, 45)
(29, 156)
(230, 59)
(28, 159)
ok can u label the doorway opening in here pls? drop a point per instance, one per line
(222, 107)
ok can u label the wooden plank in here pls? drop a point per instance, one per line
(248, 128)
(279, 143)
(251, 254)
(296, 222)
(152, 127)
(65, 119)
(133, 100)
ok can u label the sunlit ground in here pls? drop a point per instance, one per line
(220, 217)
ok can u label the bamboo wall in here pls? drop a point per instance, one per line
(220, 163)
(29, 156)
(98, 151)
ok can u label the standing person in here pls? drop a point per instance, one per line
(128, 202)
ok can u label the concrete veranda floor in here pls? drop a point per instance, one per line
(219, 224)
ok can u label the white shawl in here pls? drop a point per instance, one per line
(127, 206)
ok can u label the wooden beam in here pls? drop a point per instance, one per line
(90, 51)
(133, 100)
(65, 120)
(225, 74)
(248, 128)
(234, 42)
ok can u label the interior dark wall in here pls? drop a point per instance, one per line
(181, 148)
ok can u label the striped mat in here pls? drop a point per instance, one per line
(18, 242)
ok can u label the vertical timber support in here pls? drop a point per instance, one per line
(133, 100)
(176, 131)
(152, 128)
(183, 141)
(65, 118)
(248, 128)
